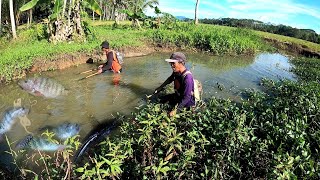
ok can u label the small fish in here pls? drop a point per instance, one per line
(66, 130)
(42, 86)
(39, 143)
(10, 118)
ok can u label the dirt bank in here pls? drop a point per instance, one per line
(293, 48)
(63, 61)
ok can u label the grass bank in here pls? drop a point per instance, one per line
(19, 55)
(305, 44)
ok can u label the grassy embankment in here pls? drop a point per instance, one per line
(310, 45)
(20, 54)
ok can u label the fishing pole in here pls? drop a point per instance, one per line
(90, 75)
(88, 71)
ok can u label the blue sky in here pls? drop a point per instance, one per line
(295, 13)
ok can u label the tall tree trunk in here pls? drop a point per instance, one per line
(64, 6)
(101, 8)
(0, 17)
(69, 13)
(13, 23)
(29, 18)
(105, 13)
(115, 12)
(77, 27)
(196, 12)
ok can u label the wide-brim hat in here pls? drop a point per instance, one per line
(177, 57)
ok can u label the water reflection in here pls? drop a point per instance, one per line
(94, 100)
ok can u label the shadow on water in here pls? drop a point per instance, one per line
(136, 88)
(95, 136)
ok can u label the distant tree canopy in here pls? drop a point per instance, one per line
(305, 34)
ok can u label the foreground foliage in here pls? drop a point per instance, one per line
(270, 135)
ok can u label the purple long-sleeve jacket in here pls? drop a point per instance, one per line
(184, 90)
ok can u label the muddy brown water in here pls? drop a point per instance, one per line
(95, 100)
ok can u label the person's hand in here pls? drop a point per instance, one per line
(100, 66)
(172, 113)
(100, 70)
(157, 90)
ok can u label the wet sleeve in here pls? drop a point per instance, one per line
(187, 94)
(108, 64)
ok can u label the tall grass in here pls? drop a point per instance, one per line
(216, 39)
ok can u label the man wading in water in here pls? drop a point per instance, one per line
(183, 85)
(112, 63)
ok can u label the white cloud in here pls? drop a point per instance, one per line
(274, 11)
(283, 7)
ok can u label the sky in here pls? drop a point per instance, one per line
(302, 14)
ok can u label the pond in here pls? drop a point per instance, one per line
(97, 99)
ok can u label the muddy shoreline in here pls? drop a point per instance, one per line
(63, 61)
(293, 48)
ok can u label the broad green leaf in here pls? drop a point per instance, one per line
(56, 9)
(29, 5)
(94, 6)
(165, 169)
(157, 10)
(80, 169)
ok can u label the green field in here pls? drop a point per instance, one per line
(306, 44)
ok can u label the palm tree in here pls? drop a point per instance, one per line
(136, 9)
(13, 23)
(196, 12)
(65, 26)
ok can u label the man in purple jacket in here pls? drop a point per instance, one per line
(183, 84)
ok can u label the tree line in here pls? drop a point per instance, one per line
(63, 17)
(305, 34)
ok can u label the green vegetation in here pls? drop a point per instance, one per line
(41, 164)
(270, 135)
(307, 69)
(305, 44)
(215, 39)
(20, 54)
(305, 34)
